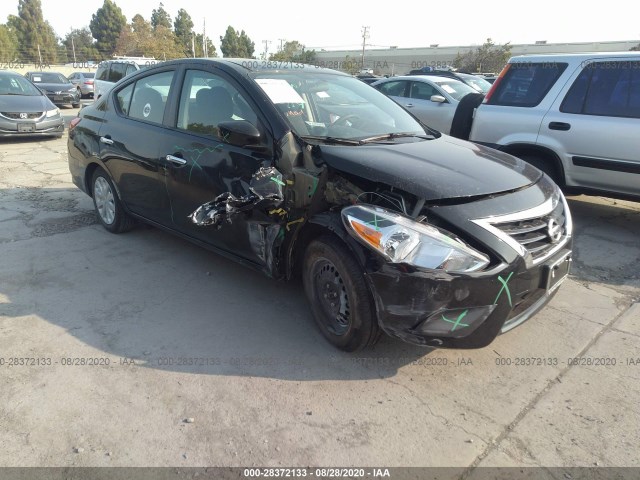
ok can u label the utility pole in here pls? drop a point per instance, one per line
(282, 40)
(39, 54)
(74, 50)
(193, 43)
(266, 49)
(204, 38)
(365, 36)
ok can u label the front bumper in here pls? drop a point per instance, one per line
(53, 126)
(63, 98)
(439, 309)
(462, 311)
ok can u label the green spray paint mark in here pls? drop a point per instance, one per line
(457, 322)
(374, 222)
(279, 182)
(195, 154)
(505, 288)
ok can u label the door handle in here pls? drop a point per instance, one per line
(559, 126)
(176, 160)
(106, 140)
(409, 105)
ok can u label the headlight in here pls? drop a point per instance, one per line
(401, 239)
(53, 113)
(72, 89)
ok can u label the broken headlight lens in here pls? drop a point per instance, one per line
(403, 240)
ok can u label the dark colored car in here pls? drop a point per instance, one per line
(25, 110)
(309, 172)
(55, 86)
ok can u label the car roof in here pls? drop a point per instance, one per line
(431, 78)
(253, 65)
(573, 56)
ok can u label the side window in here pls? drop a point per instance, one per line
(103, 72)
(614, 90)
(208, 100)
(394, 89)
(422, 91)
(574, 100)
(526, 84)
(116, 72)
(123, 98)
(130, 69)
(150, 97)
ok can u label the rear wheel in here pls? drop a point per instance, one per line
(340, 300)
(107, 204)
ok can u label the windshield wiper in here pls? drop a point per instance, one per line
(334, 140)
(391, 136)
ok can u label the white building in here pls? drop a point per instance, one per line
(398, 61)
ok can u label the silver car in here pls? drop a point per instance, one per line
(574, 116)
(432, 99)
(25, 111)
(83, 81)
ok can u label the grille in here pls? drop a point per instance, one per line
(16, 116)
(538, 235)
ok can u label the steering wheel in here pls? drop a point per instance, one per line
(342, 120)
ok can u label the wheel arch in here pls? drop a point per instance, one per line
(546, 154)
(318, 225)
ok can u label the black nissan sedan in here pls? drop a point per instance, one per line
(300, 171)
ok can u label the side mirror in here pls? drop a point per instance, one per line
(240, 133)
(438, 99)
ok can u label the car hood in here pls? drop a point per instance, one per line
(54, 87)
(434, 169)
(25, 103)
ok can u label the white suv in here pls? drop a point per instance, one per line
(576, 117)
(110, 72)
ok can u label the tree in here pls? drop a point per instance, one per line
(183, 29)
(160, 18)
(81, 42)
(36, 39)
(211, 48)
(140, 39)
(294, 51)
(351, 65)
(236, 44)
(8, 45)
(486, 58)
(106, 25)
(636, 48)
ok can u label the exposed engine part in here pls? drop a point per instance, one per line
(342, 192)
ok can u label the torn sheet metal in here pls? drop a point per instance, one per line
(265, 191)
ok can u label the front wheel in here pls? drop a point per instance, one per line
(107, 204)
(340, 300)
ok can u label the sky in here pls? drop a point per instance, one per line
(333, 24)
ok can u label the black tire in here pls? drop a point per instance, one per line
(79, 94)
(75, 105)
(340, 300)
(549, 167)
(117, 221)
(463, 116)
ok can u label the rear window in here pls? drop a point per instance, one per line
(117, 71)
(526, 84)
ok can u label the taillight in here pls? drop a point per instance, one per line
(496, 83)
(73, 123)
(89, 82)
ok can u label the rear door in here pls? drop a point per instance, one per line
(595, 123)
(130, 140)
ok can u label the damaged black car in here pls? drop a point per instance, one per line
(300, 171)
